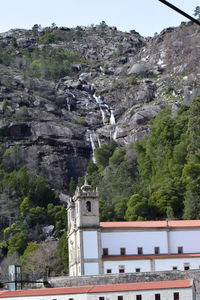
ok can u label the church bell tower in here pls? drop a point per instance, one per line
(84, 238)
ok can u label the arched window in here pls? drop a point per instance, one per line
(88, 206)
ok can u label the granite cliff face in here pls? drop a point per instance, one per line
(121, 82)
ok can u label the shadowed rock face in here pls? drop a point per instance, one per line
(48, 121)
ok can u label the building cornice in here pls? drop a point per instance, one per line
(142, 257)
(173, 224)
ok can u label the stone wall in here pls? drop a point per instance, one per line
(126, 278)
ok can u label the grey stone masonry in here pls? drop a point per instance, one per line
(127, 278)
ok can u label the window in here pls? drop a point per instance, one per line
(174, 268)
(108, 271)
(137, 270)
(176, 296)
(140, 250)
(186, 266)
(88, 206)
(120, 298)
(123, 251)
(138, 297)
(101, 298)
(105, 251)
(180, 250)
(157, 296)
(121, 269)
(157, 250)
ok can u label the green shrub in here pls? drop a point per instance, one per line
(17, 243)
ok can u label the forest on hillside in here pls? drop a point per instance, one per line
(158, 177)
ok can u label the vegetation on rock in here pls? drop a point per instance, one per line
(66, 94)
(161, 179)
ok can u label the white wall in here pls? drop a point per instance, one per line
(132, 240)
(91, 268)
(130, 265)
(51, 297)
(184, 294)
(90, 246)
(145, 265)
(167, 264)
(188, 239)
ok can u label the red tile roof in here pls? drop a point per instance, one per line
(45, 292)
(151, 224)
(157, 285)
(163, 256)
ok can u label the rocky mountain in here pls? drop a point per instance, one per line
(65, 92)
(120, 83)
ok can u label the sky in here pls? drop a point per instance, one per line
(145, 16)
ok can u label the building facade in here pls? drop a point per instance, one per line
(116, 247)
(165, 290)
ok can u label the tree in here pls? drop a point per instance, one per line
(63, 252)
(25, 206)
(24, 259)
(7, 261)
(36, 215)
(197, 11)
(191, 171)
(71, 186)
(53, 25)
(191, 206)
(137, 208)
(35, 28)
(103, 154)
(38, 258)
(40, 193)
(17, 243)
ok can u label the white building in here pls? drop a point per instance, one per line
(162, 290)
(117, 247)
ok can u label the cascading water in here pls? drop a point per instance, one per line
(115, 133)
(112, 117)
(107, 113)
(70, 99)
(108, 118)
(95, 142)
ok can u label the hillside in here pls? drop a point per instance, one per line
(122, 107)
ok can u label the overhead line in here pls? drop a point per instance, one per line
(180, 11)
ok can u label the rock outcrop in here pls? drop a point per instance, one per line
(47, 123)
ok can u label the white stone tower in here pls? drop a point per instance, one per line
(84, 238)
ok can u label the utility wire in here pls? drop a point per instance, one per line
(180, 11)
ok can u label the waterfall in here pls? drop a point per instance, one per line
(115, 134)
(98, 140)
(106, 112)
(99, 99)
(68, 100)
(108, 118)
(112, 117)
(95, 143)
(103, 115)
